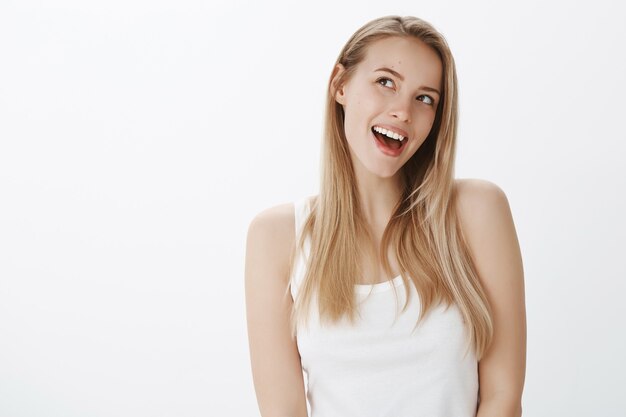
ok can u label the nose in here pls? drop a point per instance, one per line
(401, 110)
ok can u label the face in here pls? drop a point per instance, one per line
(393, 89)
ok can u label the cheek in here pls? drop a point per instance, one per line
(351, 127)
(422, 130)
(354, 114)
(360, 113)
(426, 121)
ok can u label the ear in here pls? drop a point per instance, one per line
(335, 89)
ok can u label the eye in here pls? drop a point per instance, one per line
(430, 100)
(383, 80)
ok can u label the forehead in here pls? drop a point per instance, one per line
(411, 57)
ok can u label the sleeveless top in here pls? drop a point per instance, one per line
(378, 367)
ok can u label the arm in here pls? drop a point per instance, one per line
(275, 360)
(488, 226)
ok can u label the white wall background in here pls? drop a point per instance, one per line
(139, 138)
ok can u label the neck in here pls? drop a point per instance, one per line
(377, 196)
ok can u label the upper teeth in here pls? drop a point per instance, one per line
(389, 133)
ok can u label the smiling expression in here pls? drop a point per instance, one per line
(395, 87)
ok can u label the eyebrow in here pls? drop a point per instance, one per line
(397, 74)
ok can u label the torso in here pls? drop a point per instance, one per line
(433, 352)
(372, 274)
(376, 274)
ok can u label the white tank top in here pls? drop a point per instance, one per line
(377, 368)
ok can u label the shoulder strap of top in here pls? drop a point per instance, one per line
(302, 209)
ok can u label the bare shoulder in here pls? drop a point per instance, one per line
(487, 224)
(275, 360)
(480, 203)
(271, 235)
(477, 194)
(276, 221)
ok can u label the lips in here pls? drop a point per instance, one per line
(388, 146)
(393, 129)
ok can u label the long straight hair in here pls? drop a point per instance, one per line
(424, 230)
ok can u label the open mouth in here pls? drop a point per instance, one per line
(390, 144)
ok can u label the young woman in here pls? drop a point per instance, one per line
(326, 276)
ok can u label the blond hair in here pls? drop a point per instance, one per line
(423, 231)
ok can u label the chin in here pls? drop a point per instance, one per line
(386, 173)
